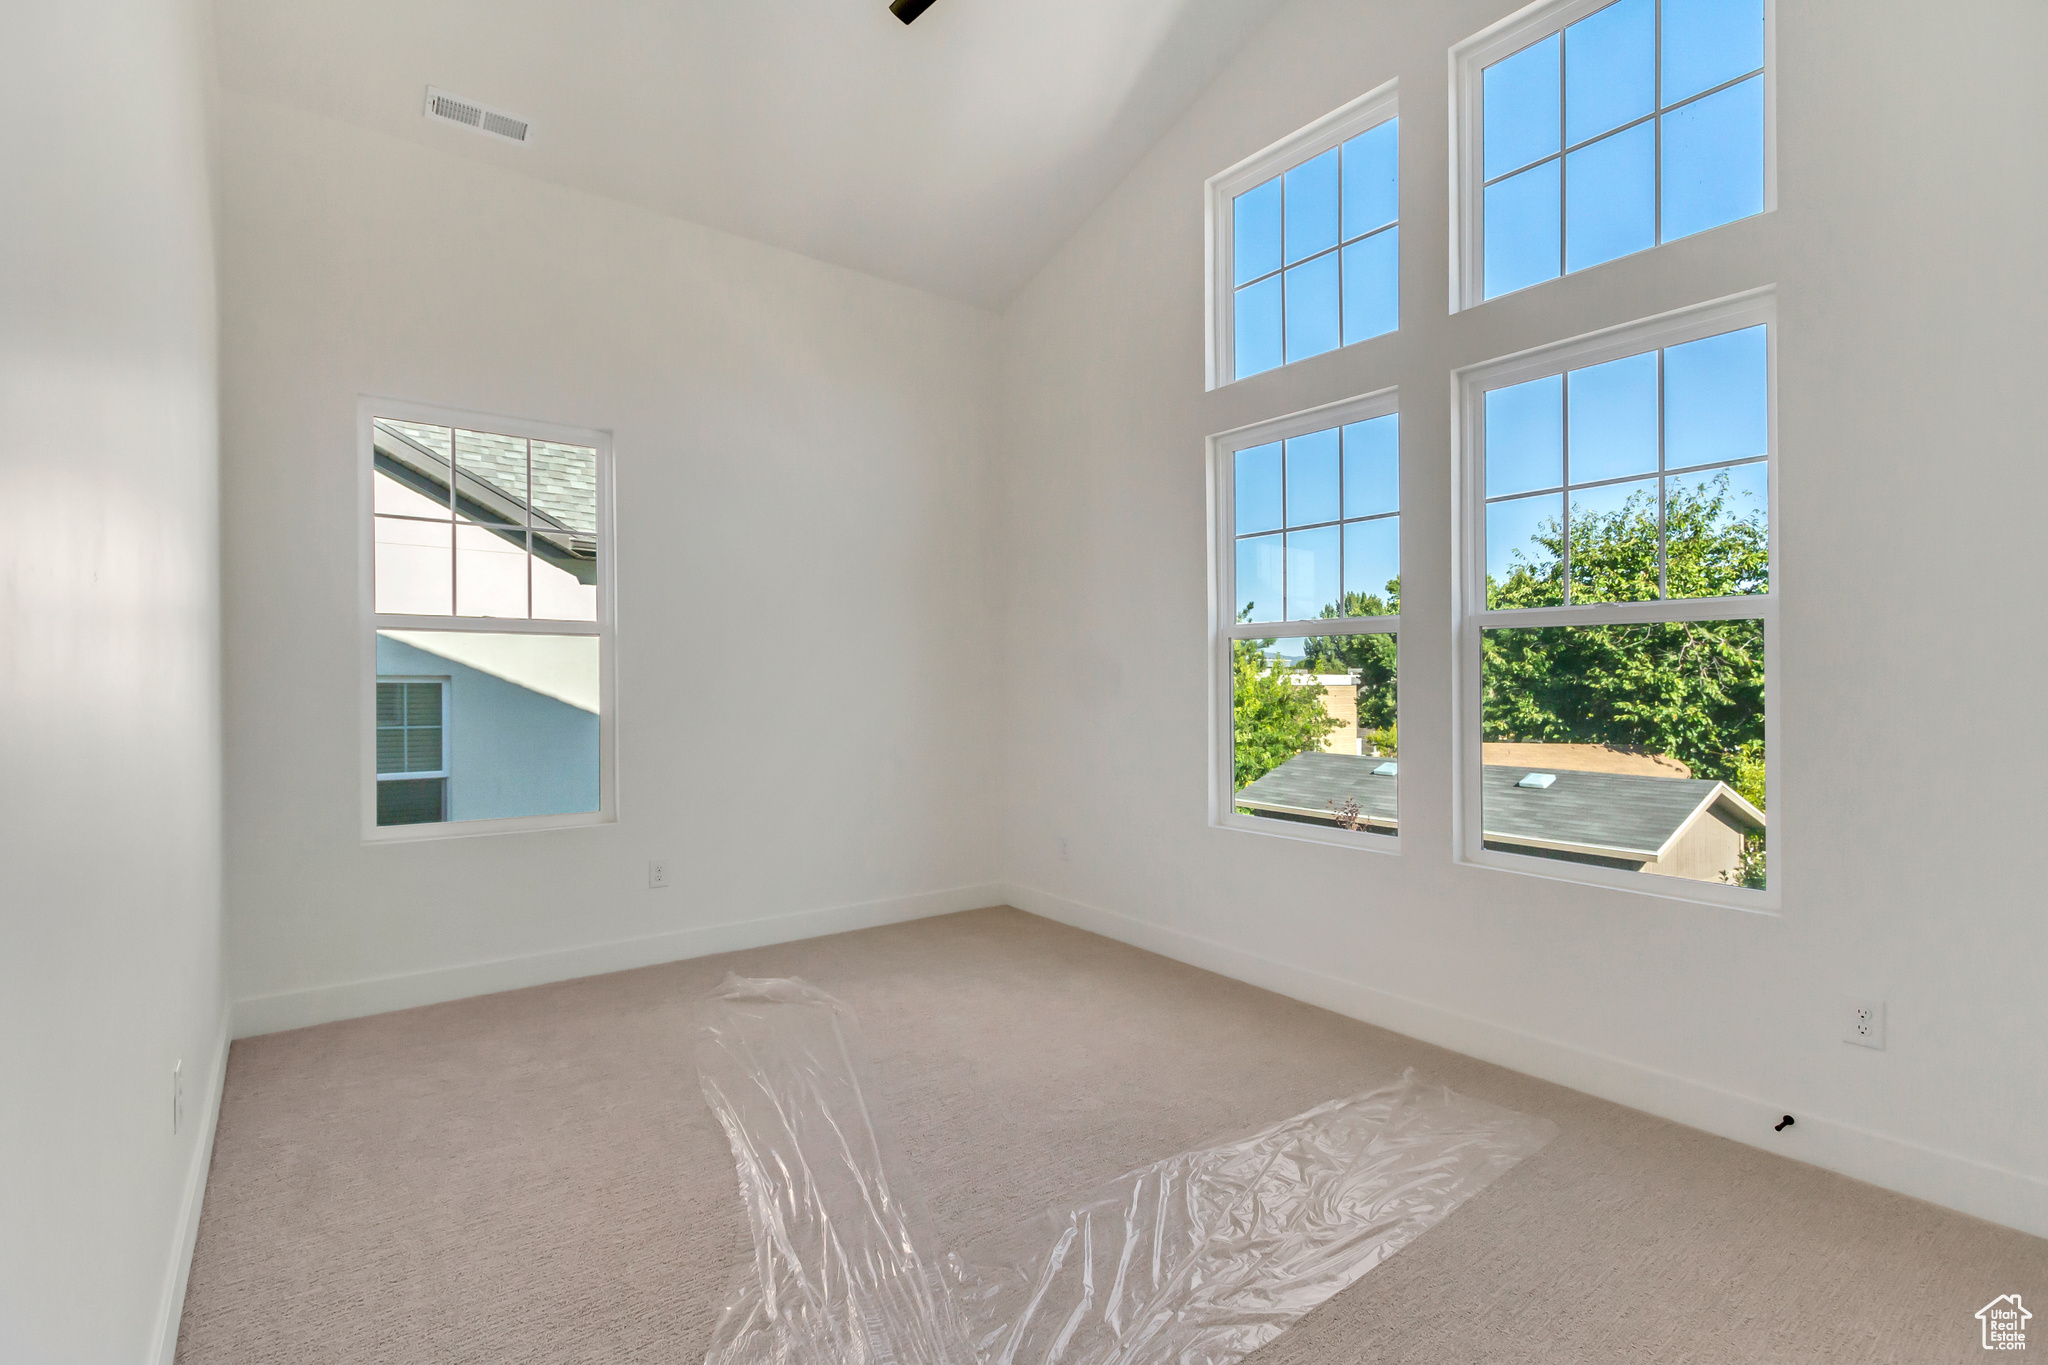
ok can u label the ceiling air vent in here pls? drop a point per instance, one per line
(477, 116)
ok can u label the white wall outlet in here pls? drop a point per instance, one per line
(1066, 854)
(1863, 1021)
(657, 874)
(177, 1096)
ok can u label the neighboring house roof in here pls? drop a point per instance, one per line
(492, 473)
(1583, 758)
(1608, 815)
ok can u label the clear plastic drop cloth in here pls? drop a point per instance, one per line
(1198, 1259)
(844, 1270)
(1204, 1257)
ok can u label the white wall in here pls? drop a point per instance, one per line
(109, 676)
(1906, 809)
(806, 630)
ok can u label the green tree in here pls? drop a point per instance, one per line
(1692, 689)
(1372, 658)
(1273, 717)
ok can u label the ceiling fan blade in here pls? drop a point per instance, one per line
(908, 10)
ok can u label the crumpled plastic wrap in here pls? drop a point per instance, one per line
(844, 1270)
(1198, 1259)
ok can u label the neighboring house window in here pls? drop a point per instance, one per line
(488, 585)
(412, 751)
(1305, 242)
(1618, 610)
(1308, 559)
(1588, 132)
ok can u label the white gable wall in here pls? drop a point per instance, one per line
(109, 673)
(804, 512)
(1905, 807)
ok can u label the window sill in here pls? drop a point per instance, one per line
(1725, 897)
(466, 829)
(1303, 832)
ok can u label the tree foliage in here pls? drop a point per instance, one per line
(1274, 718)
(1691, 689)
(1371, 658)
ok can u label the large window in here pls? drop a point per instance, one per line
(1592, 131)
(1309, 569)
(489, 623)
(1305, 242)
(1617, 603)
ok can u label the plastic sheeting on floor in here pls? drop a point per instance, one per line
(1195, 1260)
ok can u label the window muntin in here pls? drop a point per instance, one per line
(1599, 134)
(1634, 479)
(485, 576)
(1616, 606)
(1304, 242)
(1317, 253)
(475, 523)
(1318, 524)
(1309, 563)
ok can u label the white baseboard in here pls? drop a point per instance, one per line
(171, 1310)
(1990, 1192)
(378, 995)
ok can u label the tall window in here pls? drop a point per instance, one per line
(1305, 242)
(1309, 565)
(1617, 602)
(489, 627)
(1590, 132)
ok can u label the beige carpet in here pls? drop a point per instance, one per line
(534, 1177)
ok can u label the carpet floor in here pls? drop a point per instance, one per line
(533, 1176)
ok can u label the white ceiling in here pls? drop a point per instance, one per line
(956, 154)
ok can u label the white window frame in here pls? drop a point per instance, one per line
(1225, 628)
(1469, 592)
(1470, 58)
(368, 409)
(1366, 112)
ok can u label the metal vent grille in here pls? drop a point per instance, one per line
(477, 116)
(514, 128)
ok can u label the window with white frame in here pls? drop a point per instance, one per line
(488, 631)
(1589, 131)
(1308, 562)
(1617, 603)
(1305, 242)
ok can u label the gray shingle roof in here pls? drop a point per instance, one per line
(564, 476)
(1623, 813)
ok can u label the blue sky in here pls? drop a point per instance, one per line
(1313, 519)
(1715, 409)
(1572, 128)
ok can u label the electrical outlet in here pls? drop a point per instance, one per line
(177, 1096)
(657, 874)
(1863, 1021)
(1066, 854)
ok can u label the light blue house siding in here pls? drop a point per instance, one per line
(511, 751)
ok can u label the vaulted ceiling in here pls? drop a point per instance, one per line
(955, 154)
